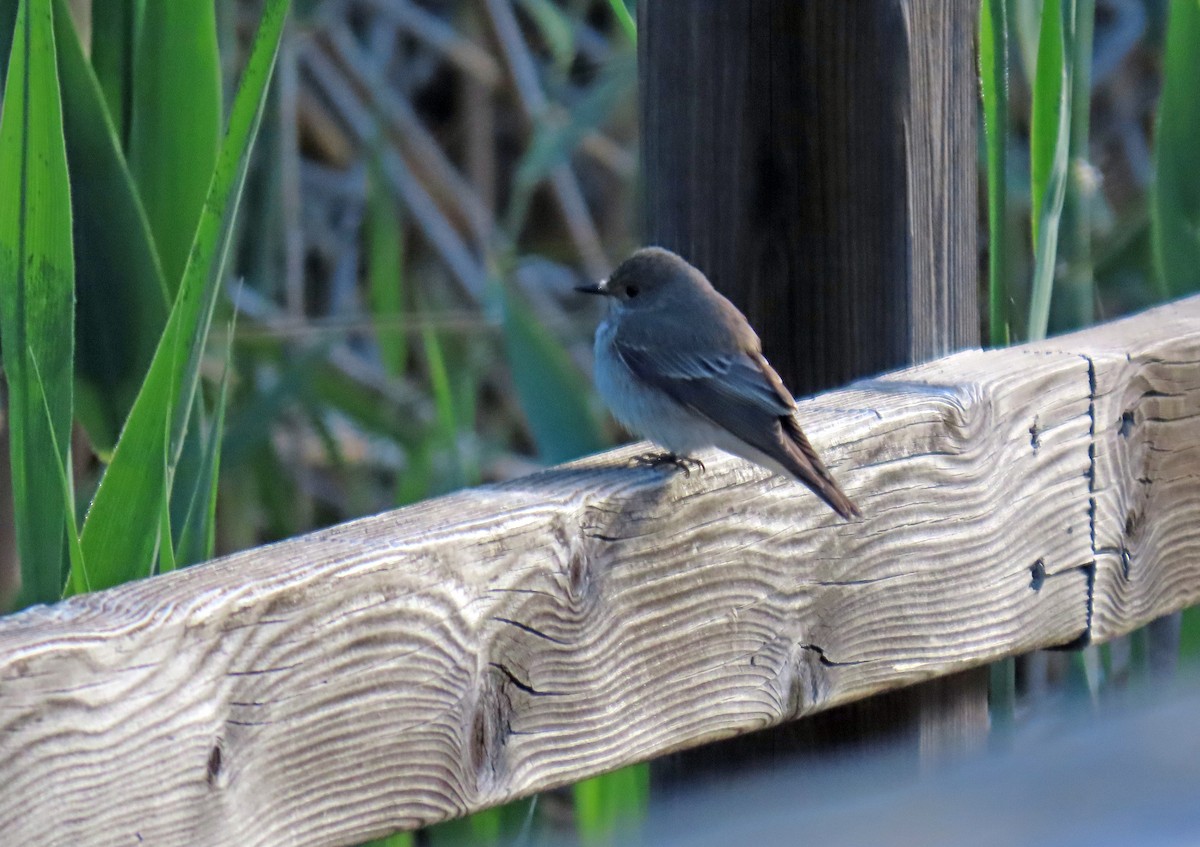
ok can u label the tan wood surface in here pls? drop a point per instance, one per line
(427, 662)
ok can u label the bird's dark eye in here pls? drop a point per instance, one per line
(631, 291)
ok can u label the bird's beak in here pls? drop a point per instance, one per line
(597, 288)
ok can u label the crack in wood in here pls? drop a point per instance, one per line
(521, 684)
(828, 662)
(1090, 569)
(527, 628)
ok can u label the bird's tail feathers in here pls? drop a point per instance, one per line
(807, 467)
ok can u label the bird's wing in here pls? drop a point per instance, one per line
(741, 393)
(720, 386)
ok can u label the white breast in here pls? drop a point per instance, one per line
(645, 411)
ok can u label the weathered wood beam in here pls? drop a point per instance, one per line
(423, 663)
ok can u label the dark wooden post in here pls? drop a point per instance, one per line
(816, 158)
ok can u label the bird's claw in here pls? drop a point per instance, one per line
(662, 460)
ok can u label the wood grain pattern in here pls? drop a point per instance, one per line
(817, 161)
(422, 663)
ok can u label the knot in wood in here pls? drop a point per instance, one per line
(799, 674)
(490, 726)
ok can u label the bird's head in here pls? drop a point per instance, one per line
(652, 278)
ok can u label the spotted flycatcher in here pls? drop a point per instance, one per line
(678, 364)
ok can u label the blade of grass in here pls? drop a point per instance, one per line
(166, 543)
(621, 12)
(1189, 636)
(114, 32)
(197, 541)
(1050, 137)
(74, 548)
(993, 75)
(385, 272)
(1050, 86)
(36, 297)
(121, 297)
(1074, 302)
(134, 486)
(413, 483)
(175, 122)
(443, 400)
(1175, 215)
(606, 804)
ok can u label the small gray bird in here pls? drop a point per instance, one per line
(678, 364)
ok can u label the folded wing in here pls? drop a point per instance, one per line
(741, 393)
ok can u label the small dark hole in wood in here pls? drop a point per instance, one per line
(1037, 575)
(1127, 423)
(213, 767)
(1035, 433)
(1131, 524)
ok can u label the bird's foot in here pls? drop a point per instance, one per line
(663, 460)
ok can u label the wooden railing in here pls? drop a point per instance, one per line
(427, 662)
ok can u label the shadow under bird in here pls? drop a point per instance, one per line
(678, 364)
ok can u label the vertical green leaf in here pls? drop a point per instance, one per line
(197, 538)
(114, 35)
(122, 299)
(625, 19)
(1175, 206)
(1073, 304)
(1050, 137)
(993, 76)
(135, 484)
(74, 548)
(176, 121)
(1050, 87)
(607, 803)
(37, 278)
(1189, 636)
(385, 275)
(446, 435)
